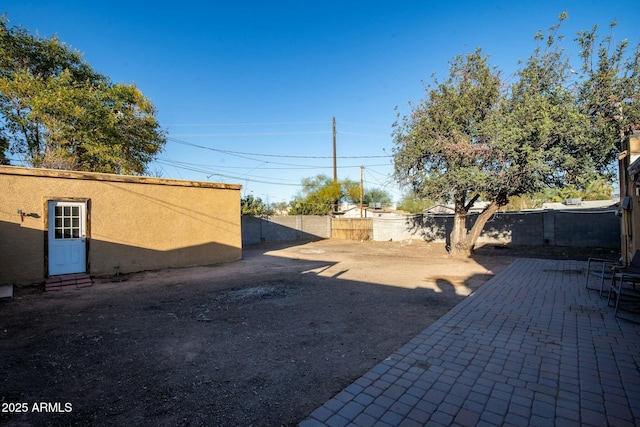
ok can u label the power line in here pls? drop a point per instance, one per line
(248, 124)
(309, 122)
(362, 134)
(210, 173)
(241, 153)
(252, 134)
(268, 161)
(363, 124)
(229, 135)
(211, 170)
(386, 183)
(297, 167)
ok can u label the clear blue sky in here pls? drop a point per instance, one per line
(247, 89)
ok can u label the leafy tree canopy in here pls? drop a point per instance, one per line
(412, 203)
(319, 195)
(374, 196)
(57, 112)
(254, 206)
(549, 126)
(370, 196)
(598, 189)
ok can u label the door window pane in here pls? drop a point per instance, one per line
(67, 222)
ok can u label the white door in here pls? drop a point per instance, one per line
(67, 242)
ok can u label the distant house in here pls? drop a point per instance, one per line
(572, 204)
(477, 207)
(369, 212)
(56, 222)
(580, 204)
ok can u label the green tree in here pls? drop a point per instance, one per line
(4, 147)
(376, 195)
(320, 195)
(598, 189)
(280, 207)
(58, 112)
(594, 189)
(525, 202)
(475, 135)
(608, 94)
(412, 203)
(351, 190)
(254, 206)
(442, 150)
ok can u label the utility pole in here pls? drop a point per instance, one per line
(335, 167)
(361, 190)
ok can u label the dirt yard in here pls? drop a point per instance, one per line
(262, 342)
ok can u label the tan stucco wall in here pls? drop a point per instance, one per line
(630, 220)
(135, 223)
(634, 235)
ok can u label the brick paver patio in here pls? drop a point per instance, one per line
(531, 347)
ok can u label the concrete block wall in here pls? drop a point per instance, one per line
(285, 228)
(555, 228)
(315, 225)
(587, 229)
(430, 228)
(517, 228)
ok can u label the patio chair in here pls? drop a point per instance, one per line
(623, 287)
(602, 269)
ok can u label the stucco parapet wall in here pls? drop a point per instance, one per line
(94, 176)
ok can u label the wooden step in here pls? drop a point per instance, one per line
(6, 292)
(67, 281)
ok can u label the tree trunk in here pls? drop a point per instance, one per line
(462, 241)
(458, 235)
(474, 233)
(457, 244)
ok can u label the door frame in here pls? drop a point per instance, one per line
(87, 216)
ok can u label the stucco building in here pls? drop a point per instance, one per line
(629, 166)
(61, 222)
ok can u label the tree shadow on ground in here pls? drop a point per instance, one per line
(262, 341)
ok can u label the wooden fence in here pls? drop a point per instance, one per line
(352, 228)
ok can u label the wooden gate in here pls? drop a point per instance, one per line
(352, 228)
